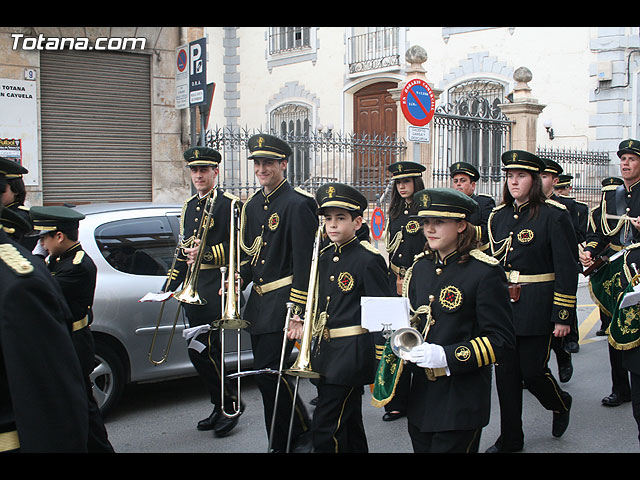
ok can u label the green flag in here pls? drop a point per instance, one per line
(624, 329)
(387, 376)
(605, 285)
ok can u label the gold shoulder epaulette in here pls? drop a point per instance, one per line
(231, 196)
(483, 257)
(303, 192)
(78, 257)
(556, 204)
(23, 207)
(485, 195)
(582, 203)
(609, 188)
(498, 207)
(370, 247)
(418, 256)
(14, 259)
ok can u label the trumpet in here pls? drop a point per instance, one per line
(403, 340)
(189, 294)
(231, 309)
(302, 366)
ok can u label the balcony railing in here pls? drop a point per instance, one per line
(374, 50)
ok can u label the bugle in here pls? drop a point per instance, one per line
(231, 319)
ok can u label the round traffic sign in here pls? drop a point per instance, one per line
(417, 102)
(377, 223)
(182, 59)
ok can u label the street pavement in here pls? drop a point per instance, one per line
(161, 417)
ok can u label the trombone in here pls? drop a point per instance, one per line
(189, 294)
(302, 366)
(231, 319)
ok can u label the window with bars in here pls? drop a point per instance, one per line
(288, 39)
(293, 121)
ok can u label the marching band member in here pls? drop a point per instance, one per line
(204, 349)
(464, 178)
(614, 224)
(528, 234)
(278, 230)
(13, 200)
(73, 269)
(43, 409)
(348, 269)
(461, 303)
(404, 239)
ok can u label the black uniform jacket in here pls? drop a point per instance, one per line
(42, 391)
(616, 200)
(76, 274)
(404, 239)
(479, 218)
(572, 208)
(278, 232)
(542, 246)
(215, 255)
(472, 320)
(346, 273)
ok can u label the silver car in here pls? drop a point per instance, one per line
(133, 245)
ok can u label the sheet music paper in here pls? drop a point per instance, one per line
(156, 297)
(384, 313)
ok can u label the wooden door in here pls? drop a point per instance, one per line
(374, 119)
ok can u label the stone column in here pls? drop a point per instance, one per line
(416, 152)
(524, 112)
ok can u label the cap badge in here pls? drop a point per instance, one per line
(330, 191)
(425, 200)
(260, 142)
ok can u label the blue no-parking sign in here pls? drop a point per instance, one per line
(377, 223)
(417, 102)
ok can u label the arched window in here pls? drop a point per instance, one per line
(482, 142)
(292, 122)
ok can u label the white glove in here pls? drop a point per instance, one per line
(40, 250)
(428, 355)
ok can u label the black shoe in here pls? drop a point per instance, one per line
(614, 400)
(571, 347)
(391, 416)
(209, 422)
(498, 448)
(302, 443)
(224, 425)
(561, 419)
(565, 372)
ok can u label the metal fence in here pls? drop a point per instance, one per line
(588, 168)
(359, 160)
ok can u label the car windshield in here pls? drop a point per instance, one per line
(140, 246)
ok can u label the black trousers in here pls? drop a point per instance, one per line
(337, 420)
(463, 441)
(98, 440)
(207, 365)
(267, 349)
(527, 363)
(635, 399)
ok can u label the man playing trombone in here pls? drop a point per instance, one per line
(204, 348)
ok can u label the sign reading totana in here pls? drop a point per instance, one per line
(417, 102)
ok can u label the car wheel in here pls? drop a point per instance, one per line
(107, 377)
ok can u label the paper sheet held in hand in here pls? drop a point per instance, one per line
(381, 313)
